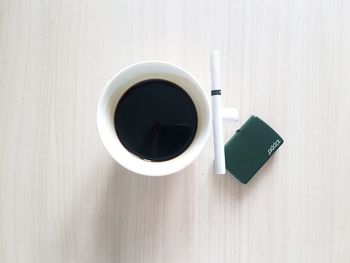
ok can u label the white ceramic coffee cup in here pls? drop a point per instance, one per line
(115, 89)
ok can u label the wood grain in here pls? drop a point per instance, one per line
(63, 199)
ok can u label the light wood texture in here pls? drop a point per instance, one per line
(63, 199)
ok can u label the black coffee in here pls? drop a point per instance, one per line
(156, 120)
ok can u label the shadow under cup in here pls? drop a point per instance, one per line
(122, 82)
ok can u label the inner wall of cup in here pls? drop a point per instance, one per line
(126, 79)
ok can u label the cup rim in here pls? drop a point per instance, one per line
(200, 143)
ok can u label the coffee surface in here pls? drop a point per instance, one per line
(156, 120)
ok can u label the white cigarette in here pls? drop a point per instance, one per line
(220, 166)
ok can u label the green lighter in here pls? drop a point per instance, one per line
(250, 147)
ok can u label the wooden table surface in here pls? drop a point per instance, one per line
(63, 198)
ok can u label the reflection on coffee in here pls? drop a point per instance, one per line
(156, 120)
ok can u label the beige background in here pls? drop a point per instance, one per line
(63, 199)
